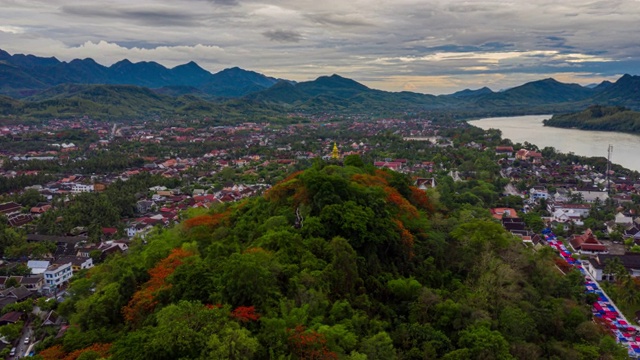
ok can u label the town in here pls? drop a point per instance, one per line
(78, 191)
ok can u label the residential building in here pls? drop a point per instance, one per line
(81, 188)
(539, 192)
(587, 243)
(596, 266)
(10, 208)
(499, 213)
(77, 263)
(58, 274)
(590, 194)
(572, 209)
(38, 266)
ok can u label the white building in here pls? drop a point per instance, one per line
(572, 209)
(38, 266)
(81, 188)
(57, 274)
(539, 193)
(595, 266)
(591, 194)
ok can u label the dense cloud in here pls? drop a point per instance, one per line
(428, 46)
(283, 35)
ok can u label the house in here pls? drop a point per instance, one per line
(539, 192)
(506, 151)
(623, 219)
(393, 165)
(105, 249)
(561, 195)
(623, 198)
(590, 194)
(570, 216)
(14, 295)
(136, 228)
(575, 209)
(33, 283)
(57, 275)
(10, 208)
(17, 219)
(3, 280)
(587, 243)
(595, 266)
(81, 188)
(512, 224)
(39, 210)
(38, 266)
(11, 317)
(50, 319)
(77, 263)
(529, 155)
(425, 183)
(499, 213)
(144, 206)
(632, 232)
(528, 237)
(109, 232)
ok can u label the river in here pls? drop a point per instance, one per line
(626, 147)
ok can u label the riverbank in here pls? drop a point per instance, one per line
(521, 129)
(600, 118)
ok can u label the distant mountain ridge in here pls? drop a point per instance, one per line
(25, 75)
(47, 83)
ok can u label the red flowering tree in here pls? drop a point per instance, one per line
(309, 344)
(245, 314)
(420, 199)
(145, 300)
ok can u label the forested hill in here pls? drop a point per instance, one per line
(336, 262)
(605, 118)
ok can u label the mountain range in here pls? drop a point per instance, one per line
(26, 75)
(41, 86)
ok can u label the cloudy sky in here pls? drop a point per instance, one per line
(419, 45)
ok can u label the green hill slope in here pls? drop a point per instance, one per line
(604, 118)
(125, 102)
(333, 263)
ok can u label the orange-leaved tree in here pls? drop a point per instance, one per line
(207, 220)
(145, 299)
(406, 238)
(57, 353)
(102, 350)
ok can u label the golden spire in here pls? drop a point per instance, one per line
(335, 155)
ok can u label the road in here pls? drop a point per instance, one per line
(21, 347)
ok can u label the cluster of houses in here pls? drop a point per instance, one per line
(516, 225)
(51, 273)
(575, 189)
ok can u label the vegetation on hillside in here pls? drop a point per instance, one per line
(124, 102)
(605, 118)
(335, 262)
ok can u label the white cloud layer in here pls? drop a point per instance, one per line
(429, 46)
